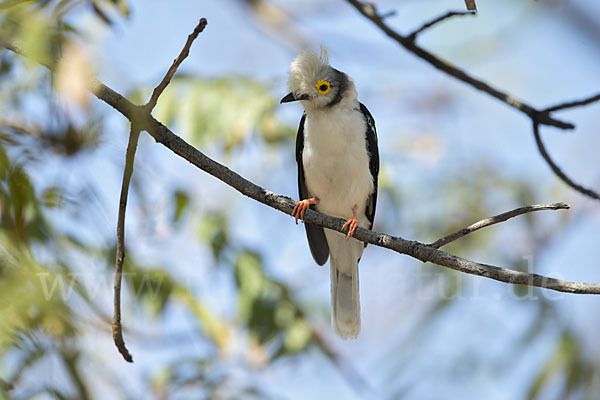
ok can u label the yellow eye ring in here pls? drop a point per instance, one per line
(323, 86)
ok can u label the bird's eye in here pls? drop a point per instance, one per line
(323, 86)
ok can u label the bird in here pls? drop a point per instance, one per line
(338, 167)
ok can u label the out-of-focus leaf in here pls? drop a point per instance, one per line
(166, 107)
(212, 325)
(181, 201)
(32, 297)
(151, 287)
(267, 309)
(72, 76)
(297, 336)
(53, 197)
(567, 361)
(214, 230)
(224, 111)
(250, 281)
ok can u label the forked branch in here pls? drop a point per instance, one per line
(117, 328)
(537, 116)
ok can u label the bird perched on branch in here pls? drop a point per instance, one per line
(338, 165)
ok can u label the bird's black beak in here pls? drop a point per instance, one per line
(291, 97)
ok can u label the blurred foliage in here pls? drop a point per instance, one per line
(267, 308)
(224, 111)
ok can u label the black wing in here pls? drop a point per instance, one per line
(315, 234)
(373, 162)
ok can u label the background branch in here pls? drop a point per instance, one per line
(556, 169)
(537, 116)
(117, 329)
(575, 103)
(496, 219)
(541, 117)
(437, 20)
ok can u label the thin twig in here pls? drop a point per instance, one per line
(575, 103)
(471, 5)
(176, 63)
(117, 329)
(414, 249)
(556, 169)
(544, 118)
(496, 219)
(389, 14)
(439, 19)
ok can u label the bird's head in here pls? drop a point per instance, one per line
(316, 84)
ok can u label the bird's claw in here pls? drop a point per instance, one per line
(301, 207)
(351, 224)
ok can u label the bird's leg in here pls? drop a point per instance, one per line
(301, 206)
(352, 223)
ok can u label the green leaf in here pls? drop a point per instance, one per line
(181, 200)
(214, 230)
(297, 336)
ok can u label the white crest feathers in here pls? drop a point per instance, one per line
(306, 69)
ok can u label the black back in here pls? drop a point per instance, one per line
(373, 150)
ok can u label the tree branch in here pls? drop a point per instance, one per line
(285, 204)
(176, 63)
(437, 20)
(538, 117)
(542, 117)
(496, 219)
(117, 329)
(555, 168)
(575, 103)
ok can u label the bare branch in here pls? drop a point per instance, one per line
(368, 10)
(414, 249)
(496, 219)
(575, 103)
(117, 329)
(176, 63)
(437, 20)
(538, 117)
(471, 5)
(556, 169)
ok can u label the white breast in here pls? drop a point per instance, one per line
(336, 162)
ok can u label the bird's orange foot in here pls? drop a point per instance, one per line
(302, 206)
(352, 224)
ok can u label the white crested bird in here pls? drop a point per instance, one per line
(338, 165)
